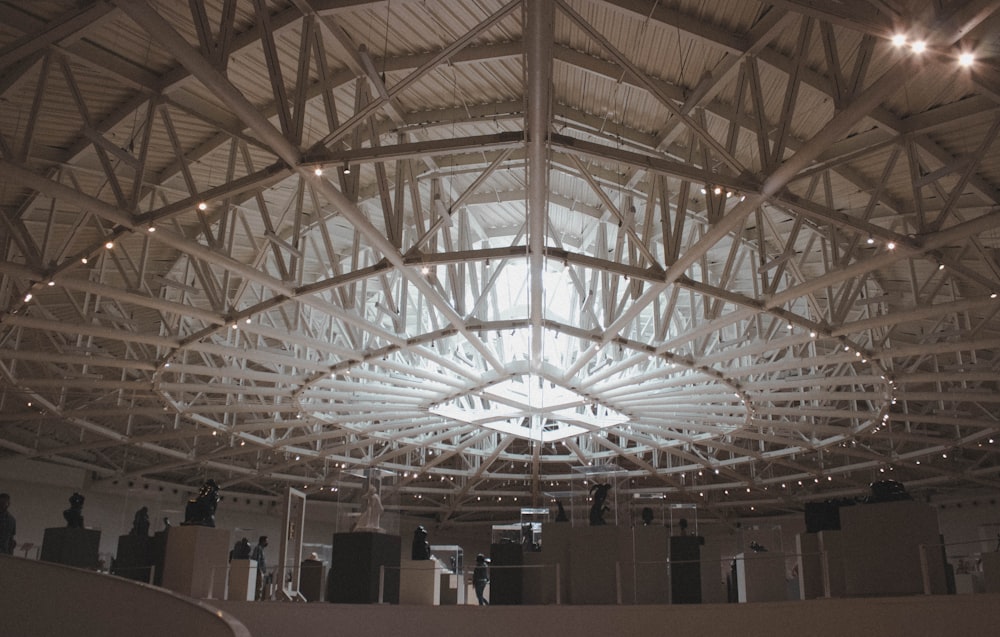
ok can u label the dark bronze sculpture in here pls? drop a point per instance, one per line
(241, 550)
(74, 514)
(421, 549)
(200, 511)
(140, 523)
(647, 516)
(561, 515)
(599, 494)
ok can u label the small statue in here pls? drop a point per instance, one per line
(200, 511)
(647, 516)
(561, 515)
(74, 514)
(599, 493)
(421, 549)
(140, 523)
(241, 550)
(371, 515)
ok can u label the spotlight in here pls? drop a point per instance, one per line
(966, 59)
(898, 40)
(203, 206)
(919, 46)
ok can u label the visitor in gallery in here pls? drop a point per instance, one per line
(8, 526)
(480, 578)
(263, 577)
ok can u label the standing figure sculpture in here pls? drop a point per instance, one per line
(8, 526)
(599, 494)
(421, 548)
(140, 523)
(200, 511)
(74, 514)
(371, 514)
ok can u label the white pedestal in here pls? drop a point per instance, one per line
(420, 582)
(831, 547)
(242, 580)
(196, 561)
(885, 545)
(810, 564)
(761, 577)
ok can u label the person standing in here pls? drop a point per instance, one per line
(480, 578)
(8, 526)
(263, 577)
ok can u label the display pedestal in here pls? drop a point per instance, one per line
(72, 547)
(420, 582)
(538, 583)
(242, 580)
(810, 564)
(449, 583)
(713, 583)
(761, 577)
(355, 565)
(311, 580)
(885, 545)
(685, 569)
(196, 561)
(133, 559)
(831, 547)
(505, 578)
(647, 567)
(991, 572)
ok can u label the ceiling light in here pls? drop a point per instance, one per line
(151, 229)
(966, 59)
(51, 283)
(898, 40)
(812, 334)
(871, 240)
(109, 245)
(203, 206)
(83, 260)
(940, 266)
(27, 297)
(347, 168)
(318, 172)
(919, 46)
(891, 245)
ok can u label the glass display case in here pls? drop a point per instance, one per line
(758, 538)
(600, 497)
(450, 556)
(354, 498)
(683, 519)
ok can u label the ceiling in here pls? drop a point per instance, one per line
(741, 255)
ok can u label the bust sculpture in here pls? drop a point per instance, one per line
(200, 510)
(74, 514)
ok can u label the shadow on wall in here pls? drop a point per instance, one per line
(40, 598)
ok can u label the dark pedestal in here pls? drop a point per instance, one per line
(157, 555)
(685, 569)
(355, 564)
(505, 581)
(311, 580)
(72, 547)
(133, 559)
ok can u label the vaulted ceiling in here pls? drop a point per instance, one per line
(735, 254)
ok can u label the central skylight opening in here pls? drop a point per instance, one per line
(529, 406)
